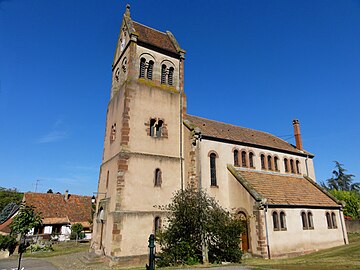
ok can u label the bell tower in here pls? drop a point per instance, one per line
(142, 162)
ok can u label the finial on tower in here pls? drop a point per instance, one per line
(127, 11)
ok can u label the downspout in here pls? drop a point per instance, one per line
(267, 232)
(342, 224)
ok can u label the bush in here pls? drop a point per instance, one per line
(198, 226)
(41, 247)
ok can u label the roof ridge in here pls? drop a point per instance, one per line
(150, 27)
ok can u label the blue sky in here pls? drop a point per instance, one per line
(257, 64)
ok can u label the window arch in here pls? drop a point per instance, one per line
(286, 165)
(328, 220)
(243, 158)
(171, 76)
(304, 220)
(262, 157)
(276, 166)
(236, 157)
(142, 67)
(167, 73)
(310, 220)
(251, 160)
(275, 217)
(150, 68)
(163, 74)
(333, 219)
(282, 220)
(158, 177)
(298, 167)
(157, 224)
(269, 163)
(213, 170)
(292, 166)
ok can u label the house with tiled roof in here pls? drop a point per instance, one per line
(153, 148)
(59, 212)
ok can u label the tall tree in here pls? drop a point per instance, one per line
(340, 180)
(8, 195)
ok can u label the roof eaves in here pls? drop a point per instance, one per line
(257, 196)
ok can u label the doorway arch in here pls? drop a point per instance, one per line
(245, 234)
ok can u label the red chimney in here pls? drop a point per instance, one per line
(297, 134)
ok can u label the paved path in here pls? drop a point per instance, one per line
(26, 264)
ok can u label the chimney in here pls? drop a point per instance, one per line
(66, 195)
(297, 134)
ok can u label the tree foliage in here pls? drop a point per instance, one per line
(76, 231)
(26, 219)
(8, 242)
(8, 195)
(196, 221)
(352, 202)
(340, 180)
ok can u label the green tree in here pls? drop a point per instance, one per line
(26, 219)
(198, 228)
(7, 211)
(8, 195)
(50, 191)
(76, 231)
(340, 180)
(352, 202)
(8, 242)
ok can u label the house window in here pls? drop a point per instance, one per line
(251, 160)
(333, 219)
(292, 166)
(158, 178)
(171, 76)
(236, 158)
(286, 165)
(310, 220)
(157, 224)
(304, 221)
(282, 221)
(262, 157)
(150, 70)
(243, 158)
(275, 217)
(142, 68)
(276, 166)
(298, 167)
(163, 74)
(269, 163)
(213, 169)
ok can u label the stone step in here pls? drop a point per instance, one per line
(91, 258)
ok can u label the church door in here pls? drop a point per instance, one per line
(244, 235)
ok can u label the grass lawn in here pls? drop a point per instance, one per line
(61, 248)
(343, 257)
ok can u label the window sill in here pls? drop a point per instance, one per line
(214, 186)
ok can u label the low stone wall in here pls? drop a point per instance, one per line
(353, 226)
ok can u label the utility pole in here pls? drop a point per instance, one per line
(36, 184)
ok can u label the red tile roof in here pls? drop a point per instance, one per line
(154, 37)
(281, 189)
(239, 134)
(54, 209)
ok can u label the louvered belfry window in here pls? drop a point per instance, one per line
(142, 68)
(163, 74)
(150, 70)
(171, 76)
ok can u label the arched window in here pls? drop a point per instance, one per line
(333, 219)
(163, 74)
(152, 127)
(269, 163)
(310, 220)
(107, 180)
(158, 178)
(262, 157)
(213, 169)
(286, 165)
(150, 70)
(282, 221)
(328, 220)
(292, 166)
(236, 158)
(275, 221)
(243, 158)
(159, 127)
(276, 166)
(142, 68)
(298, 167)
(304, 221)
(157, 224)
(171, 76)
(251, 160)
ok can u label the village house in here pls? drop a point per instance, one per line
(152, 146)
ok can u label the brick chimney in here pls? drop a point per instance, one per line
(297, 134)
(66, 195)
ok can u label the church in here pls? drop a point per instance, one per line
(153, 148)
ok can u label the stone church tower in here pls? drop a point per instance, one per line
(142, 162)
